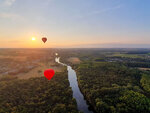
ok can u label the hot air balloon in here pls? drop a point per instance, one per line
(44, 39)
(49, 73)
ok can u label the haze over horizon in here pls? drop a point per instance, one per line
(75, 23)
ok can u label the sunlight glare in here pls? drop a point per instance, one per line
(33, 38)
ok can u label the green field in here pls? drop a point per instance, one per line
(128, 55)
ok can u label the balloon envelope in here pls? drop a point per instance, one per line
(44, 39)
(49, 73)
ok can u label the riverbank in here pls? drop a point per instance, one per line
(72, 77)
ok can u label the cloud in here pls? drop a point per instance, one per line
(9, 2)
(97, 12)
(111, 45)
(9, 15)
(104, 10)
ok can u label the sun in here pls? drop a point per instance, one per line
(33, 38)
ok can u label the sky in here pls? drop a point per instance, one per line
(75, 23)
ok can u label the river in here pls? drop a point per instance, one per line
(72, 77)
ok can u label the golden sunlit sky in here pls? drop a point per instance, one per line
(74, 23)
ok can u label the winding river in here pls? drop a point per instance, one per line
(72, 77)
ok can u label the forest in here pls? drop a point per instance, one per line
(111, 80)
(114, 81)
(36, 95)
(114, 88)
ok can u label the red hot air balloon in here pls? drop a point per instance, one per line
(44, 39)
(49, 73)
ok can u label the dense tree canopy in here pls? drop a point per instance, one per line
(37, 95)
(112, 88)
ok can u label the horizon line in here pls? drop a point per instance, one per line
(82, 48)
